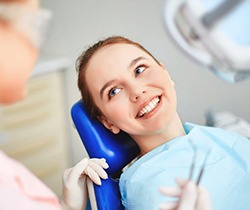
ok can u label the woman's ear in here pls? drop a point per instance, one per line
(110, 126)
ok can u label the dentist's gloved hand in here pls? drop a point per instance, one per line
(191, 197)
(75, 195)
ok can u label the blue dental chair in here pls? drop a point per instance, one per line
(118, 150)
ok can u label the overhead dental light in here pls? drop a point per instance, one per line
(215, 34)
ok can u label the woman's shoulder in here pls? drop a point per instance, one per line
(229, 138)
(192, 128)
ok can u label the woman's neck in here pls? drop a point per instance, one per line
(170, 132)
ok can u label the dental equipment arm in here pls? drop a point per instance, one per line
(191, 197)
(75, 195)
(215, 34)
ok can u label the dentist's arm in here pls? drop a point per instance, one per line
(191, 197)
(75, 195)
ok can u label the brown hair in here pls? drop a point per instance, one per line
(82, 65)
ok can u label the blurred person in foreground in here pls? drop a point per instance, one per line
(22, 27)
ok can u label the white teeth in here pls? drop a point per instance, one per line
(149, 107)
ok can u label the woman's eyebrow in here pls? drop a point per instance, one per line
(133, 62)
(106, 85)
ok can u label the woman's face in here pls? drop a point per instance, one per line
(133, 92)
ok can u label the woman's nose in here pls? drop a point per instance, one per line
(137, 94)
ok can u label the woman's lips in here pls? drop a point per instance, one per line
(149, 107)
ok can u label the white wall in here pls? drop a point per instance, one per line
(79, 23)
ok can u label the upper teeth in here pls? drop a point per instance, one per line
(148, 108)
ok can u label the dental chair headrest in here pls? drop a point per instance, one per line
(118, 150)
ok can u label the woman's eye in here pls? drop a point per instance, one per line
(139, 70)
(113, 92)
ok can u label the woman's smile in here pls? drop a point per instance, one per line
(148, 107)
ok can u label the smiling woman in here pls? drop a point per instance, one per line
(136, 90)
(127, 88)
